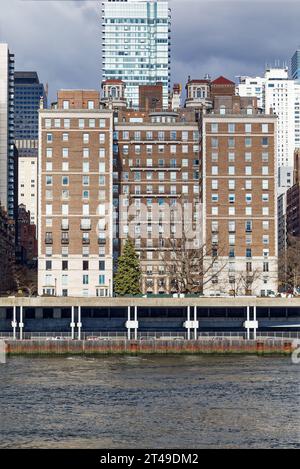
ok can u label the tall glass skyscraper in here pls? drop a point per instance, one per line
(28, 92)
(7, 147)
(136, 45)
(295, 65)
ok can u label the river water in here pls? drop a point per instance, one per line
(150, 402)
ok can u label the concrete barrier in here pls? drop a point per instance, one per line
(152, 346)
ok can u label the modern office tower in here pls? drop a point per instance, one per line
(136, 45)
(28, 93)
(239, 196)
(75, 216)
(28, 184)
(277, 92)
(159, 205)
(7, 149)
(295, 65)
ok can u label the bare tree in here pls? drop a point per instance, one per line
(25, 280)
(289, 266)
(246, 281)
(191, 267)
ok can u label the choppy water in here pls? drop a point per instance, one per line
(149, 402)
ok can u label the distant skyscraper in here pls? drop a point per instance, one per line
(136, 45)
(7, 149)
(28, 92)
(277, 92)
(295, 68)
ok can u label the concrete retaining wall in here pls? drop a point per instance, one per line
(122, 346)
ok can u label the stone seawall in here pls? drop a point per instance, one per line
(136, 347)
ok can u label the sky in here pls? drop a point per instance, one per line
(61, 39)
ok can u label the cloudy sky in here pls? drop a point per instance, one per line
(61, 39)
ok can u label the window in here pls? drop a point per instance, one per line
(102, 123)
(48, 180)
(85, 167)
(265, 170)
(65, 180)
(81, 123)
(67, 123)
(248, 128)
(85, 279)
(49, 138)
(65, 152)
(231, 170)
(65, 137)
(231, 184)
(248, 142)
(214, 184)
(265, 128)
(214, 170)
(86, 153)
(101, 138)
(85, 180)
(231, 142)
(91, 105)
(265, 184)
(265, 141)
(214, 142)
(49, 152)
(66, 105)
(248, 170)
(214, 127)
(248, 157)
(231, 128)
(231, 156)
(92, 123)
(101, 279)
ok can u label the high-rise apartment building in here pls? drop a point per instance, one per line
(28, 184)
(28, 93)
(7, 148)
(239, 197)
(277, 92)
(75, 217)
(295, 65)
(160, 193)
(136, 45)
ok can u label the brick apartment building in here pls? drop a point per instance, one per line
(75, 197)
(239, 194)
(201, 176)
(158, 154)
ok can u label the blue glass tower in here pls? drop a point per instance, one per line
(28, 92)
(295, 68)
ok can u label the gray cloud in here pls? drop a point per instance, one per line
(62, 39)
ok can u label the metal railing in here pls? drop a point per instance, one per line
(148, 335)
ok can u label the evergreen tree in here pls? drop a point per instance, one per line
(128, 275)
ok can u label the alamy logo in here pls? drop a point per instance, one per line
(296, 356)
